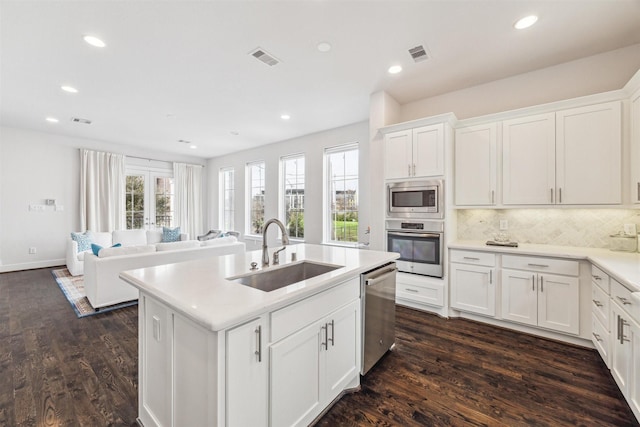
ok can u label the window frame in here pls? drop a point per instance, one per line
(222, 199)
(327, 202)
(249, 189)
(282, 202)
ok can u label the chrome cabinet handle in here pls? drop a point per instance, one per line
(408, 170)
(597, 303)
(596, 277)
(471, 258)
(559, 195)
(541, 284)
(551, 195)
(624, 301)
(623, 337)
(325, 343)
(333, 332)
(618, 329)
(411, 290)
(414, 169)
(537, 265)
(597, 337)
(258, 351)
(533, 282)
(491, 277)
(493, 197)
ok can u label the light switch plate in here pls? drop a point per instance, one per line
(504, 224)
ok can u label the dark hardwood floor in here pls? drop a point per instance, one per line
(58, 370)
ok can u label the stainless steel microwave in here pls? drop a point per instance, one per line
(415, 199)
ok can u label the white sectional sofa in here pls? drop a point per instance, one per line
(103, 285)
(75, 259)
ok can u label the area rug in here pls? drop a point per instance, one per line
(73, 289)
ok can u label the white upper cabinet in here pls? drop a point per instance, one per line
(475, 165)
(529, 160)
(415, 152)
(588, 155)
(635, 147)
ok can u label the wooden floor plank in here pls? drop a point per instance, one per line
(56, 369)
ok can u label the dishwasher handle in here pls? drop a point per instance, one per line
(381, 278)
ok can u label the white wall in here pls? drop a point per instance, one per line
(586, 76)
(312, 146)
(35, 166)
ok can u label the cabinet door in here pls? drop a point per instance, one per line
(247, 375)
(635, 147)
(428, 151)
(519, 296)
(473, 289)
(529, 160)
(342, 355)
(620, 349)
(475, 165)
(558, 303)
(588, 155)
(295, 377)
(398, 152)
(634, 381)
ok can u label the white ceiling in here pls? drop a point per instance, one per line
(177, 70)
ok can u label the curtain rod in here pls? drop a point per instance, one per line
(165, 161)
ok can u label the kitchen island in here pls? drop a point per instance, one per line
(213, 351)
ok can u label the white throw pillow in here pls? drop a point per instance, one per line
(172, 246)
(220, 241)
(125, 250)
(130, 237)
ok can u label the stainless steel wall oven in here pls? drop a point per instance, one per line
(419, 243)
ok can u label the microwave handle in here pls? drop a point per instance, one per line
(409, 234)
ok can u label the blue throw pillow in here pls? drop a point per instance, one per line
(96, 248)
(83, 239)
(170, 234)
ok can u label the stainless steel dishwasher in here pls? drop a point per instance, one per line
(378, 313)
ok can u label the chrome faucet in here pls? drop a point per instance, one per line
(265, 251)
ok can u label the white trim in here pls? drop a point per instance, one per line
(247, 209)
(33, 265)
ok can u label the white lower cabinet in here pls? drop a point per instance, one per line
(472, 282)
(312, 366)
(419, 291)
(247, 374)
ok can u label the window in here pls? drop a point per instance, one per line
(293, 195)
(341, 203)
(255, 204)
(227, 197)
(149, 199)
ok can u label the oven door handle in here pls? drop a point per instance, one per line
(410, 234)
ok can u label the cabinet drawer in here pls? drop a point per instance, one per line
(600, 305)
(287, 320)
(544, 265)
(600, 338)
(473, 257)
(600, 278)
(430, 293)
(622, 297)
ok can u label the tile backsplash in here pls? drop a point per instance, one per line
(565, 227)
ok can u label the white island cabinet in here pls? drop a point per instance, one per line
(213, 352)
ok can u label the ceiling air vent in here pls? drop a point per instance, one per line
(419, 53)
(79, 120)
(263, 56)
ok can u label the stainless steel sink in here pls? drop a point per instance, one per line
(279, 277)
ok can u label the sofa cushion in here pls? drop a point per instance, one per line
(219, 241)
(80, 255)
(130, 237)
(154, 236)
(83, 240)
(101, 238)
(170, 234)
(125, 250)
(172, 246)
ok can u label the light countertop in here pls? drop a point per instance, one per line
(622, 266)
(199, 289)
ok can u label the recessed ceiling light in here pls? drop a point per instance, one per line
(525, 22)
(395, 69)
(52, 120)
(285, 117)
(193, 147)
(69, 89)
(324, 47)
(94, 41)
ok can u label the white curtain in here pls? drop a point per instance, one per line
(188, 198)
(102, 191)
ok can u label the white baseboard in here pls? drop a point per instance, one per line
(32, 265)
